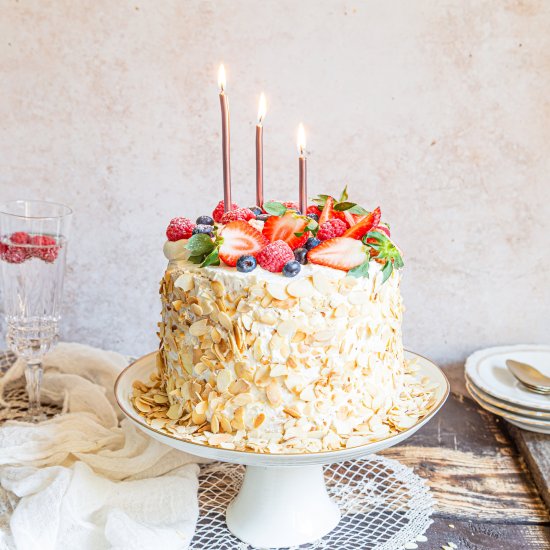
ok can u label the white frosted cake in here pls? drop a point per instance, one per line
(281, 332)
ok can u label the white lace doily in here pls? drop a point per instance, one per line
(384, 506)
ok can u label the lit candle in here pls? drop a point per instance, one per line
(302, 163)
(260, 152)
(225, 141)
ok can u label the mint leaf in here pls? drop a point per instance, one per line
(361, 270)
(200, 244)
(342, 206)
(275, 208)
(356, 209)
(212, 259)
(344, 195)
(320, 200)
(387, 271)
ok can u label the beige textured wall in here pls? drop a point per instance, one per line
(437, 111)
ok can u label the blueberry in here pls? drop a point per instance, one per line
(313, 216)
(246, 264)
(205, 220)
(257, 210)
(203, 228)
(291, 269)
(301, 255)
(262, 217)
(312, 242)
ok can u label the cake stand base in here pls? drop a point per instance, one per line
(280, 507)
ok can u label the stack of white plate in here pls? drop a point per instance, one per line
(494, 388)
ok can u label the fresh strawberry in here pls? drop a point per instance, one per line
(328, 211)
(382, 228)
(284, 228)
(349, 218)
(219, 211)
(339, 253)
(244, 214)
(331, 228)
(240, 239)
(179, 228)
(274, 256)
(360, 229)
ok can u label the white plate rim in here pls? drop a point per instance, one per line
(277, 459)
(472, 362)
(501, 404)
(504, 413)
(534, 429)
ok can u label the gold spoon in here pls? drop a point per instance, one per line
(529, 376)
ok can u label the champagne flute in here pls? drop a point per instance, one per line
(33, 248)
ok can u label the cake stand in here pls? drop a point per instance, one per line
(283, 499)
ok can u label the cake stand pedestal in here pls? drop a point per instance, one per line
(283, 499)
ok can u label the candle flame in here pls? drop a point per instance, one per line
(262, 108)
(221, 78)
(301, 139)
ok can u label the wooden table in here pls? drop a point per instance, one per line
(491, 481)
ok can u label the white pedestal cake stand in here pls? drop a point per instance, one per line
(283, 499)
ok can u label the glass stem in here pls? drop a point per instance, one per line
(33, 375)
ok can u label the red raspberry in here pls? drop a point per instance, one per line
(331, 228)
(219, 211)
(20, 237)
(44, 247)
(244, 214)
(274, 256)
(3, 249)
(15, 255)
(179, 228)
(291, 205)
(312, 209)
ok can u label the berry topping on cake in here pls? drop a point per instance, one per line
(257, 210)
(243, 214)
(331, 228)
(312, 242)
(292, 268)
(274, 256)
(44, 247)
(327, 212)
(286, 228)
(20, 237)
(245, 264)
(300, 254)
(203, 228)
(179, 228)
(220, 210)
(360, 229)
(313, 217)
(312, 209)
(239, 238)
(205, 220)
(339, 253)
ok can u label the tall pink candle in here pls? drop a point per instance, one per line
(260, 152)
(224, 104)
(302, 170)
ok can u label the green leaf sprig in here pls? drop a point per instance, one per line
(342, 204)
(386, 250)
(204, 250)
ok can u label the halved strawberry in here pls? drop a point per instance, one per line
(383, 229)
(328, 211)
(339, 253)
(349, 218)
(239, 239)
(360, 229)
(283, 228)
